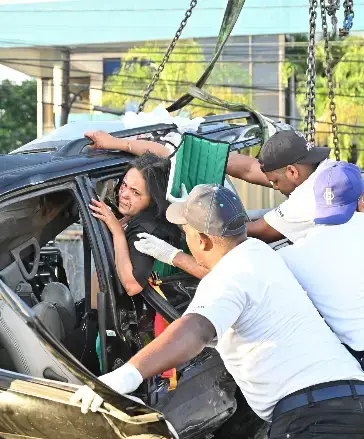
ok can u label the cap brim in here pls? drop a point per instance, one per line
(335, 215)
(316, 155)
(175, 213)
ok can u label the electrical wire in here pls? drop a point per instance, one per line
(170, 81)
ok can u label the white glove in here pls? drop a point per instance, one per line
(125, 379)
(88, 398)
(157, 248)
(184, 195)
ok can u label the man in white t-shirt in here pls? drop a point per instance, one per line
(291, 164)
(328, 261)
(291, 368)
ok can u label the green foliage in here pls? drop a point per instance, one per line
(348, 75)
(185, 65)
(18, 114)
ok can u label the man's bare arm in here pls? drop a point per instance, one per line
(182, 340)
(262, 230)
(246, 168)
(188, 264)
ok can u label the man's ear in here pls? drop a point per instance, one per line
(360, 207)
(204, 242)
(292, 172)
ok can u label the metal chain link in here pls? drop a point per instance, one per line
(332, 8)
(330, 83)
(310, 114)
(167, 55)
(349, 17)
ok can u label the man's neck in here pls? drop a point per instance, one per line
(220, 253)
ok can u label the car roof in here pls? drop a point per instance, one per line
(65, 151)
(61, 153)
(23, 170)
(60, 137)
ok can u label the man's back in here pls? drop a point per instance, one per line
(328, 265)
(270, 336)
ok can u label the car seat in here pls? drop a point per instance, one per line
(26, 351)
(58, 295)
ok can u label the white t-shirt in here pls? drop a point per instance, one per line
(328, 264)
(295, 216)
(270, 336)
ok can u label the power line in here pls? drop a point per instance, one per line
(32, 44)
(204, 45)
(142, 53)
(171, 81)
(242, 87)
(24, 10)
(163, 100)
(298, 58)
(286, 117)
(354, 133)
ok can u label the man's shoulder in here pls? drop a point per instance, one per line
(240, 261)
(307, 185)
(325, 164)
(357, 219)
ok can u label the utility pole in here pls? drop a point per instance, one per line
(65, 85)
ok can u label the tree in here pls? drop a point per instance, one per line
(184, 67)
(18, 114)
(348, 76)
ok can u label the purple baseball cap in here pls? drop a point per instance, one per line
(337, 190)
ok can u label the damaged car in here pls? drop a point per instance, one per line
(50, 247)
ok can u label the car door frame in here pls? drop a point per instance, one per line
(35, 393)
(101, 252)
(110, 286)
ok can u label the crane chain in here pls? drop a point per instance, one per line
(167, 55)
(310, 113)
(348, 18)
(332, 8)
(330, 82)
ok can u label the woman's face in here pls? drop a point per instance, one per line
(133, 194)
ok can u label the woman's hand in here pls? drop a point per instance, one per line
(103, 140)
(101, 211)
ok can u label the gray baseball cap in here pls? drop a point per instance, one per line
(211, 209)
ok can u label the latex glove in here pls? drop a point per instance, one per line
(184, 195)
(125, 379)
(157, 248)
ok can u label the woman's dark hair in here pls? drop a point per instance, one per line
(155, 171)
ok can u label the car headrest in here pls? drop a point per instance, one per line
(47, 313)
(60, 296)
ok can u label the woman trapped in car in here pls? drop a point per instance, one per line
(142, 203)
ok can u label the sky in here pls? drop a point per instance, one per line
(17, 2)
(12, 75)
(6, 72)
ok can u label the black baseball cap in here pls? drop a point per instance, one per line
(211, 209)
(288, 147)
